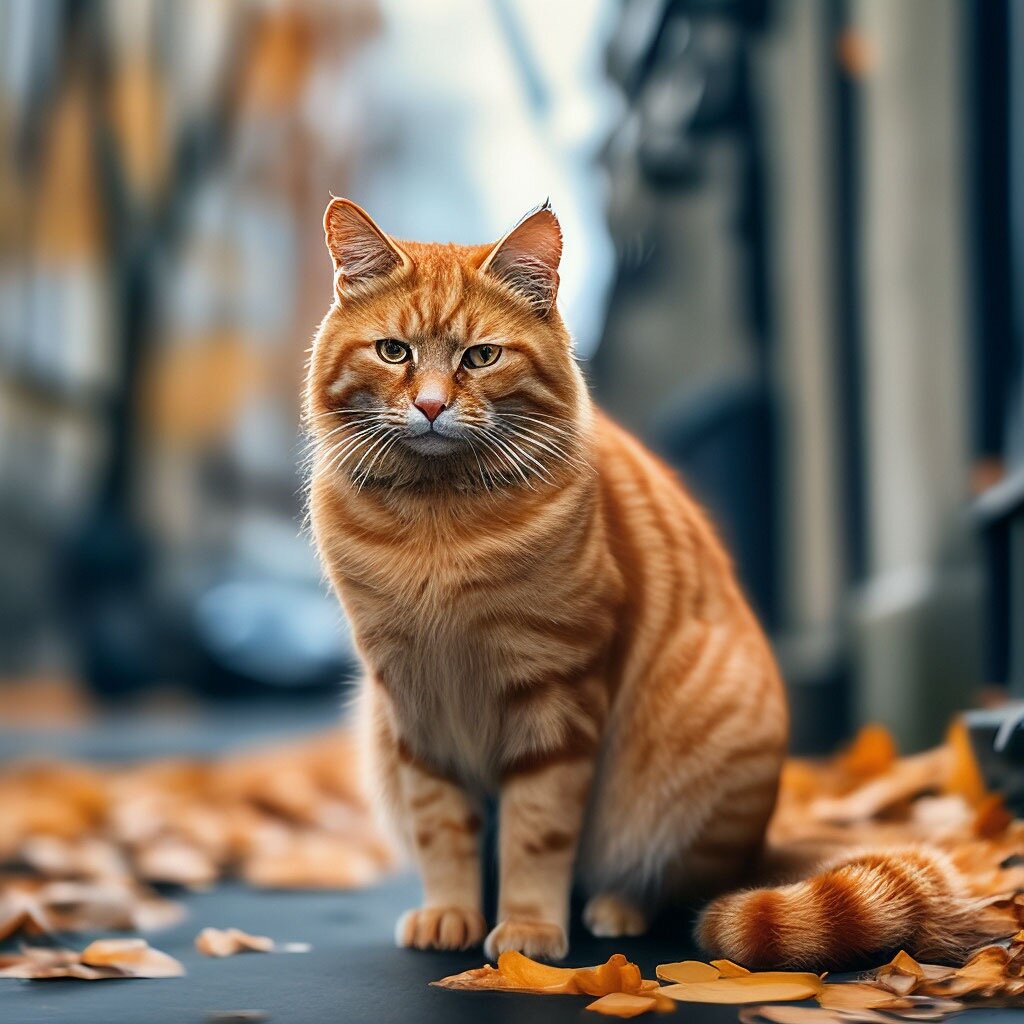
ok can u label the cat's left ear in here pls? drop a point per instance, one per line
(363, 255)
(526, 259)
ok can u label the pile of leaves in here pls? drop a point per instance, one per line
(869, 797)
(901, 990)
(104, 959)
(866, 796)
(618, 985)
(83, 847)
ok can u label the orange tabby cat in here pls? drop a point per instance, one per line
(543, 613)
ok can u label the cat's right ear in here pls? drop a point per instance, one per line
(363, 255)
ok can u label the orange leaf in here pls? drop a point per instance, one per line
(964, 776)
(763, 987)
(991, 818)
(603, 979)
(728, 969)
(872, 752)
(687, 971)
(630, 978)
(622, 1004)
(518, 973)
(904, 963)
(859, 996)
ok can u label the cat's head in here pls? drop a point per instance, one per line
(444, 363)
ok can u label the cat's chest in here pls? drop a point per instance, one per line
(454, 725)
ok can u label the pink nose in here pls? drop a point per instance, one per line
(430, 407)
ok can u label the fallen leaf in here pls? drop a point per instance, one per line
(176, 862)
(904, 963)
(761, 987)
(622, 1004)
(964, 776)
(789, 1015)
(872, 752)
(518, 973)
(858, 996)
(229, 941)
(101, 960)
(605, 978)
(991, 818)
(811, 1015)
(687, 971)
(525, 973)
(727, 969)
(986, 963)
(479, 979)
(19, 912)
(134, 957)
(907, 778)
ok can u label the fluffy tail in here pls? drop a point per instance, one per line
(852, 912)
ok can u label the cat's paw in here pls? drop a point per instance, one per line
(537, 939)
(608, 916)
(440, 928)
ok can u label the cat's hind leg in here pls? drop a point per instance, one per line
(608, 915)
(686, 781)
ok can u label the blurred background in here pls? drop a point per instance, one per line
(792, 231)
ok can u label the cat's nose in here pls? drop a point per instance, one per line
(430, 407)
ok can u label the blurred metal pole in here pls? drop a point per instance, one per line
(916, 613)
(809, 265)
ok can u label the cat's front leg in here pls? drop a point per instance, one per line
(541, 815)
(443, 827)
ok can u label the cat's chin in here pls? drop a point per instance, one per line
(432, 443)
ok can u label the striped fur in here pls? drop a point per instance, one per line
(543, 613)
(851, 913)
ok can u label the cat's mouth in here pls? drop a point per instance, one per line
(430, 442)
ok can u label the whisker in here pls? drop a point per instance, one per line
(541, 468)
(362, 432)
(389, 443)
(510, 457)
(492, 443)
(338, 412)
(549, 444)
(352, 448)
(313, 441)
(538, 416)
(479, 464)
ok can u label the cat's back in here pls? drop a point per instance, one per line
(662, 539)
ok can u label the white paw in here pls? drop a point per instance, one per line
(608, 916)
(440, 928)
(538, 939)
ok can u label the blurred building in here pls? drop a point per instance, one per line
(814, 205)
(792, 234)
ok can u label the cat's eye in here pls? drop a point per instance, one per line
(480, 355)
(392, 351)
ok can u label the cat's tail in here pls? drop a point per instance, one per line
(852, 911)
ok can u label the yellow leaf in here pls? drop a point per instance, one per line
(687, 971)
(859, 996)
(622, 1004)
(764, 987)
(727, 969)
(904, 963)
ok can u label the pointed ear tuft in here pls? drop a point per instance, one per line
(526, 259)
(362, 253)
